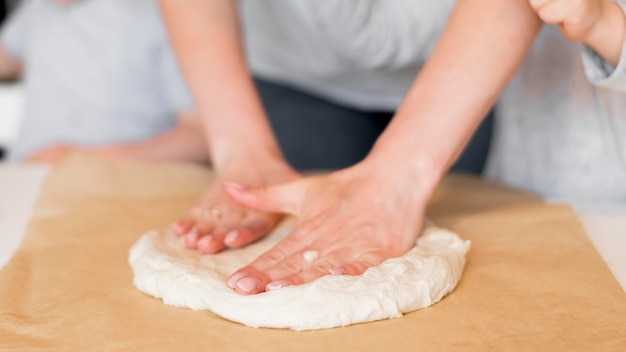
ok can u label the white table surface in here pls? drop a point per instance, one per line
(19, 186)
(11, 106)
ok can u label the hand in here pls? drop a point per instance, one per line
(216, 222)
(57, 152)
(577, 18)
(348, 221)
(51, 154)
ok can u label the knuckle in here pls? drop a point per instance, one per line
(369, 259)
(324, 264)
(354, 268)
(291, 265)
(274, 256)
(303, 230)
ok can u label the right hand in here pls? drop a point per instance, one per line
(577, 18)
(216, 222)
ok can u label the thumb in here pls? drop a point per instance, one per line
(281, 198)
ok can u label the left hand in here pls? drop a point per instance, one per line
(577, 18)
(57, 152)
(348, 221)
(52, 154)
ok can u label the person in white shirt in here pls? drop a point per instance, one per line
(361, 215)
(99, 75)
(331, 74)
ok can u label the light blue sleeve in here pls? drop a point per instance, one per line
(601, 73)
(14, 33)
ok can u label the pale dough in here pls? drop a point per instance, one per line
(164, 268)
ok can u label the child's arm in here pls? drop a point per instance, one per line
(600, 24)
(184, 142)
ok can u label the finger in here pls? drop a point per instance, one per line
(206, 226)
(213, 219)
(355, 268)
(249, 232)
(294, 243)
(217, 234)
(199, 231)
(182, 226)
(554, 12)
(284, 198)
(333, 265)
(213, 243)
(188, 223)
(292, 265)
(191, 238)
(252, 278)
(307, 261)
(537, 4)
(232, 237)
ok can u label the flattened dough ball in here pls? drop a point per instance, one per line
(165, 268)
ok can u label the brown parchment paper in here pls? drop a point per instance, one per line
(533, 280)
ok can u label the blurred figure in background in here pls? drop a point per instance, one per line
(99, 75)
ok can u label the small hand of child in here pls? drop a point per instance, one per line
(577, 18)
(600, 24)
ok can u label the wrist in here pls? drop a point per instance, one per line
(606, 37)
(253, 166)
(420, 170)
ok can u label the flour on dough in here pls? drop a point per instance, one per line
(164, 268)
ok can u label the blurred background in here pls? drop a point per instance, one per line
(11, 96)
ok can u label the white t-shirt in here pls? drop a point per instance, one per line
(363, 54)
(560, 127)
(96, 72)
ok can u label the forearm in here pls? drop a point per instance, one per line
(480, 49)
(205, 36)
(607, 37)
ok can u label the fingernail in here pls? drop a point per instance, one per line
(234, 185)
(248, 284)
(205, 241)
(233, 279)
(275, 285)
(336, 271)
(231, 237)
